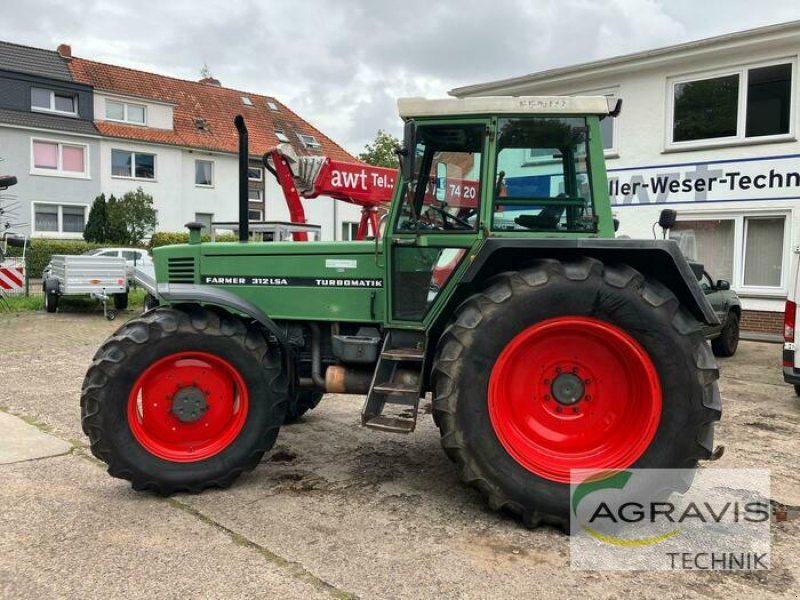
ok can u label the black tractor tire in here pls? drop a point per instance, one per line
(728, 340)
(485, 323)
(121, 301)
(304, 401)
(50, 301)
(162, 332)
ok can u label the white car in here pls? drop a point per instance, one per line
(135, 257)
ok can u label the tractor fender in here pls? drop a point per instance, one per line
(661, 260)
(181, 293)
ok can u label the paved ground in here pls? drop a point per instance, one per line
(335, 510)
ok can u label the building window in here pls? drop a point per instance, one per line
(282, 137)
(255, 174)
(205, 219)
(309, 141)
(125, 112)
(763, 251)
(255, 215)
(134, 165)
(204, 173)
(710, 241)
(59, 159)
(58, 219)
(349, 231)
(750, 251)
(749, 103)
(254, 195)
(57, 102)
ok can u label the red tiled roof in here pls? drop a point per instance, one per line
(217, 106)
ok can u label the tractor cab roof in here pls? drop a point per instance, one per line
(494, 105)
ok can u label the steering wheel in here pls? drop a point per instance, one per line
(446, 215)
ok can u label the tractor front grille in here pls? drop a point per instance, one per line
(181, 269)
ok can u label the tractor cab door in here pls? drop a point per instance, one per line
(436, 219)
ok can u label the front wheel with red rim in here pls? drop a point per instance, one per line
(183, 400)
(565, 367)
(188, 406)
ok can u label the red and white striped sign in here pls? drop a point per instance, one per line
(12, 277)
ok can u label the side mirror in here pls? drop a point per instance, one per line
(6, 181)
(409, 150)
(723, 285)
(667, 218)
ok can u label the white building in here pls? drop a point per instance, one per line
(709, 128)
(72, 128)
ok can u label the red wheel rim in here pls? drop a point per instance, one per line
(188, 406)
(574, 393)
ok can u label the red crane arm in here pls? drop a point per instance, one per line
(364, 185)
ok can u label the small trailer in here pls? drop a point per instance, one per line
(101, 277)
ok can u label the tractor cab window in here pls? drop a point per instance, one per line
(445, 192)
(543, 180)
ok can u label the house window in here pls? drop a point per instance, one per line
(255, 215)
(309, 141)
(281, 136)
(134, 165)
(749, 103)
(246, 101)
(58, 219)
(204, 173)
(254, 195)
(255, 174)
(58, 158)
(205, 219)
(750, 251)
(125, 112)
(50, 101)
(349, 231)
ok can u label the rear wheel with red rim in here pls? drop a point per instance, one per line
(567, 366)
(574, 393)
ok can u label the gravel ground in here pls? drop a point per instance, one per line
(334, 509)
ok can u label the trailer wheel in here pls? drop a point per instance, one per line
(183, 400)
(559, 367)
(121, 301)
(303, 402)
(50, 301)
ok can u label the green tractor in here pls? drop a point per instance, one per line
(497, 286)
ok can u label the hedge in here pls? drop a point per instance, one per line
(167, 238)
(40, 251)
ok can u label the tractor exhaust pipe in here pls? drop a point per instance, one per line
(244, 163)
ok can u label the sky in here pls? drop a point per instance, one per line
(341, 64)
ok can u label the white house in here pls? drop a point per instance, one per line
(709, 128)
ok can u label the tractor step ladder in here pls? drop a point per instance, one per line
(397, 383)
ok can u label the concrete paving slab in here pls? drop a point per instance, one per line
(67, 530)
(20, 441)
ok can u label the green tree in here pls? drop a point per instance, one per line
(95, 230)
(382, 152)
(116, 230)
(133, 217)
